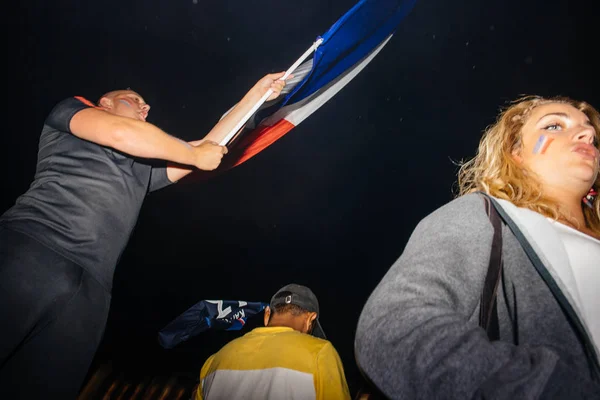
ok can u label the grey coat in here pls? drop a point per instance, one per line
(418, 335)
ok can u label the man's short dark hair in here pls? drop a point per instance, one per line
(293, 309)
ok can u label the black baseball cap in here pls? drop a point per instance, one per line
(302, 297)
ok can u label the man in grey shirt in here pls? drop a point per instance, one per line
(61, 241)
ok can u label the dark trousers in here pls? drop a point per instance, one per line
(52, 318)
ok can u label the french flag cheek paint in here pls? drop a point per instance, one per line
(125, 102)
(542, 144)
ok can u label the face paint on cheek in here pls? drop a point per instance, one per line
(125, 102)
(542, 144)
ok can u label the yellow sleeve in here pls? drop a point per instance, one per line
(203, 372)
(330, 382)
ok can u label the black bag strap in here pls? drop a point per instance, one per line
(488, 311)
(552, 285)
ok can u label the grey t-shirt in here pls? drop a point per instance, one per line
(85, 198)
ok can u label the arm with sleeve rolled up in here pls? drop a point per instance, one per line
(414, 339)
(330, 382)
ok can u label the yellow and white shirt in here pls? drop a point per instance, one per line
(275, 363)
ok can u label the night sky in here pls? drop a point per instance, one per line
(330, 205)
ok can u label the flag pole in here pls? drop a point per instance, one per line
(264, 98)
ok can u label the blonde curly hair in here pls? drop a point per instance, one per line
(493, 170)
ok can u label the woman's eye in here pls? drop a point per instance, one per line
(553, 127)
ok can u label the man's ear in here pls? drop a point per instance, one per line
(267, 316)
(107, 103)
(309, 324)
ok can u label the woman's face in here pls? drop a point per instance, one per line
(560, 145)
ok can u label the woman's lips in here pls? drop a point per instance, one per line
(586, 150)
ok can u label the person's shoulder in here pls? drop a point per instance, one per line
(464, 202)
(303, 345)
(325, 350)
(317, 341)
(301, 339)
(71, 105)
(325, 344)
(231, 347)
(317, 345)
(460, 219)
(74, 101)
(464, 208)
(60, 116)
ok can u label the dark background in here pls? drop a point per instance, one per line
(332, 204)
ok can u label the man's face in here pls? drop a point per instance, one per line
(126, 103)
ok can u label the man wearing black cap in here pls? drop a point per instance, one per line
(287, 359)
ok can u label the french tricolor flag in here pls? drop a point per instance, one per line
(337, 57)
